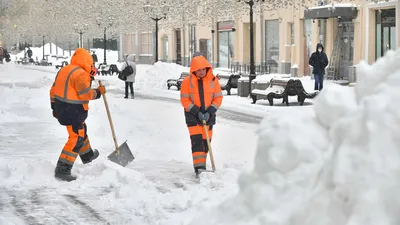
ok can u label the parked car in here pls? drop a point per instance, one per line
(177, 82)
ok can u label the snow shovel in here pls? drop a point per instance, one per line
(209, 148)
(122, 154)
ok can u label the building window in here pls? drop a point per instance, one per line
(226, 43)
(130, 44)
(308, 33)
(292, 34)
(192, 40)
(205, 48)
(165, 49)
(146, 43)
(385, 31)
(272, 44)
(308, 49)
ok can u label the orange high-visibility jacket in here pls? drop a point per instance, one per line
(204, 94)
(73, 82)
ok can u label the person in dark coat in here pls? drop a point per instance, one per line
(29, 52)
(7, 55)
(319, 60)
(94, 56)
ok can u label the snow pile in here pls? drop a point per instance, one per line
(156, 76)
(111, 56)
(265, 79)
(337, 166)
(38, 51)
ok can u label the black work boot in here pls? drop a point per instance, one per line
(198, 169)
(63, 172)
(90, 156)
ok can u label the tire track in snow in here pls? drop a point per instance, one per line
(225, 113)
(86, 208)
(1, 204)
(41, 206)
(20, 209)
(38, 203)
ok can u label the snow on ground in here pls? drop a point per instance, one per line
(338, 164)
(157, 188)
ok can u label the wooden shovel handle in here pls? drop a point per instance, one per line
(209, 145)
(109, 119)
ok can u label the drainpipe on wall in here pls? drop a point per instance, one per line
(212, 43)
(120, 50)
(137, 46)
(366, 48)
(261, 36)
(184, 46)
(397, 36)
(322, 31)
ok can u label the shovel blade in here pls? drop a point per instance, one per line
(123, 156)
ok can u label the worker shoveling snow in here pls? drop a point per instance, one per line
(337, 166)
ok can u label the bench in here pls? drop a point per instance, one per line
(283, 88)
(228, 82)
(63, 63)
(177, 82)
(104, 69)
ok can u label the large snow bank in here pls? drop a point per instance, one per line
(340, 165)
(156, 76)
(49, 47)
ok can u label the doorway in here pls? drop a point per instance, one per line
(165, 48)
(385, 31)
(178, 47)
(226, 43)
(346, 48)
(308, 50)
(204, 48)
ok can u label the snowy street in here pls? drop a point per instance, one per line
(331, 161)
(158, 187)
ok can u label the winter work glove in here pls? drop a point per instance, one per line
(54, 114)
(101, 89)
(203, 116)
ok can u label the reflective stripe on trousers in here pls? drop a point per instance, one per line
(78, 144)
(199, 145)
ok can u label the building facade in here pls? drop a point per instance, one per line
(284, 39)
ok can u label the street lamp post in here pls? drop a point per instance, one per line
(80, 30)
(252, 75)
(43, 49)
(149, 8)
(110, 23)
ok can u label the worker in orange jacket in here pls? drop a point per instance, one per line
(201, 96)
(70, 96)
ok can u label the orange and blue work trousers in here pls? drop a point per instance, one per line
(199, 145)
(77, 144)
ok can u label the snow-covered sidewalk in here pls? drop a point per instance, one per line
(158, 187)
(151, 81)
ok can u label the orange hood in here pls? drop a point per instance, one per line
(199, 62)
(83, 59)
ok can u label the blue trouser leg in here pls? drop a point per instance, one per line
(321, 82)
(316, 77)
